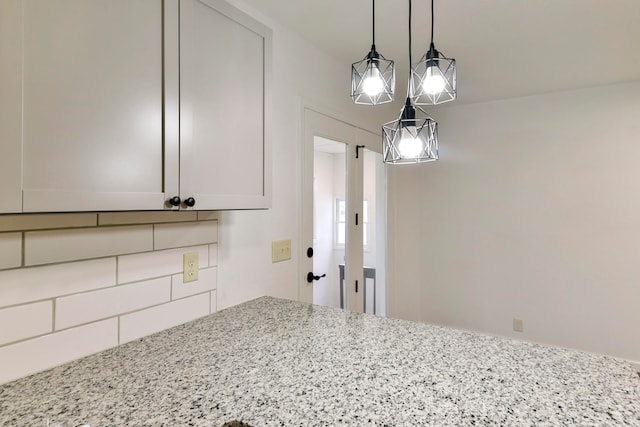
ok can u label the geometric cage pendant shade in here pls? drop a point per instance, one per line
(434, 78)
(412, 138)
(373, 80)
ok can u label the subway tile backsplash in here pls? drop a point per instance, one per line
(45, 247)
(24, 321)
(46, 351)
(70, 287)
(184, 234)
(155, 319)
(89, 307)
(158, 263)
(24, 285)
(10, 250)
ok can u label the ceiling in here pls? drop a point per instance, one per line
(503, 48)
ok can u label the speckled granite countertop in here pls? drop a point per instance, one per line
(271, 362)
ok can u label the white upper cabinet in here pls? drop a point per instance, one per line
(92, 105)
(10, 106)
(224, 64)
(123, 105)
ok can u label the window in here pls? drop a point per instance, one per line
(341, 223)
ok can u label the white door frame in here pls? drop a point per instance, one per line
(317, 123)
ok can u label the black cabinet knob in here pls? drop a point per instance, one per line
(190, 202)
(174, 201)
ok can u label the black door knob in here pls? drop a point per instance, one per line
(309, 252)
(174, 201)
(311, 277)
(190, 201)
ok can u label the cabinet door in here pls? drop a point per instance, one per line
(224, 116)
(92, 105)
(10, 106)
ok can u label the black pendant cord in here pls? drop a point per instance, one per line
(410, 61)
(373, 22)
(408, 111)
(431, 21)
(409, 88)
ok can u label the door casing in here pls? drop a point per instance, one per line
(315, 123)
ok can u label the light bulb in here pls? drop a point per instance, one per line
(433, 82)
(410, 145)
(373, 83)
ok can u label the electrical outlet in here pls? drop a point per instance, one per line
(190, 267)
(280, 250)
(518, 325)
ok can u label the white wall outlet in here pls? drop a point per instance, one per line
(280, 250)
(190, 267)
(518, 325)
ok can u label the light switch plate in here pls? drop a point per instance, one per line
(280, 250)
(190, 267)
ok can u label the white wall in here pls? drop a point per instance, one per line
(246, 236)
(532, 212)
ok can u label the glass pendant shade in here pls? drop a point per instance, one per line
(412, 138)
(434, 78)
(373, 79)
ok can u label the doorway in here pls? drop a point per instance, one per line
(343, 216)
(329, 219)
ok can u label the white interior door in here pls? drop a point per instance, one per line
(374, 214)
(329, 221)
(331, 268)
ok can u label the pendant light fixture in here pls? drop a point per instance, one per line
(434, 77)
(413, 137)
(373, 80)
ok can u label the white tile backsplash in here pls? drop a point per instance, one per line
(213, 255)
(24, 222)
(37, 283)
(155, 319)
(120, 218)
(154, 264)
(103, 285)
(25, 321)
(213, 302)
(184, 234)
(91, 306)
(10, 250)
(208, 215)
(27, 357)
(207, 281)
(44, 247)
